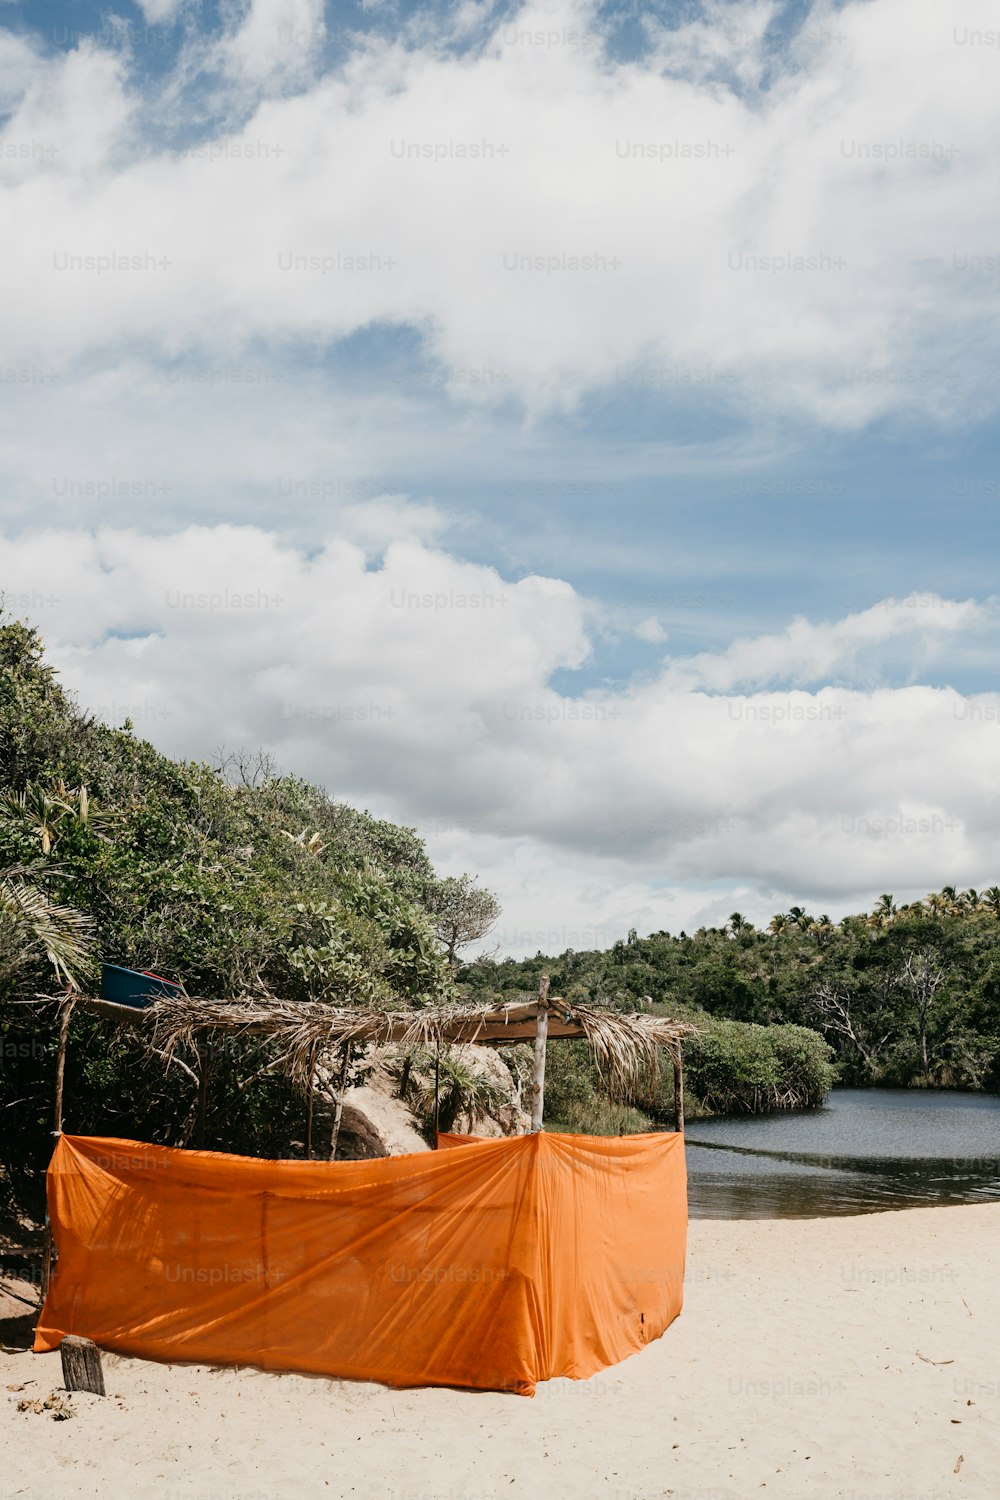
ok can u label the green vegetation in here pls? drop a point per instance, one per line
(905, 996)
(240, 880)
(230, 877)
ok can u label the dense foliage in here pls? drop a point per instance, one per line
(231, 877)
(237, 879)
(906, 996)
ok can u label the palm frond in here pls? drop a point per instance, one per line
(65, 933)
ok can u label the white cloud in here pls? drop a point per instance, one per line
(274, 44)
(158, 12)
(420, 685)
(370, 171)
(376, 523)
(805, 653)
(651, 630)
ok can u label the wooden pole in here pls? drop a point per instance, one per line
(65, 1013)
(679, 1089)
(437, 1088)
(81, 1365)
(64, 1018)
(339, 1111)
(541, 1038)
(309, 1116)
(202, 1097)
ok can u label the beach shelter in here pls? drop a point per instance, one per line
(490, 1264)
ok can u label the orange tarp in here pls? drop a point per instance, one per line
(494, 1266)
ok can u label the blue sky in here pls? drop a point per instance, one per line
(673, 331)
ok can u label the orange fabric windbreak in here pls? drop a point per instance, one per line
(494, 1266)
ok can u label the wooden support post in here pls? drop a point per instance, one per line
(339, 1111)
(202, 1096)
(541, 1038)
(309, 1095)
(81, 1365)
(437, 1090)
(46, 1257)
(404, 1075)
(65, 1013)
(64, 1019)
(679, 1089)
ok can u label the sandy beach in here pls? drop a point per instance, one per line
(856, 1358)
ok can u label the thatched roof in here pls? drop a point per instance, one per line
(625, 1047)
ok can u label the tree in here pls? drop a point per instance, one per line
(923, 977)
(991, 899)
(838, 1011)
(462, 913)
(883, 911)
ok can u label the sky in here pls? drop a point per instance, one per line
(569, 429)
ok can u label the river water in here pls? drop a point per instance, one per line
(866, 1150)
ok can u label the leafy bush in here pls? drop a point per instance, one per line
(738, 1068)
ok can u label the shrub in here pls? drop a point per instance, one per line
(735, 1067)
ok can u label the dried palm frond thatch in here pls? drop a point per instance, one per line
(625, 1047)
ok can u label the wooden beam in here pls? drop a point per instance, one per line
(81, 1365)
(110, 1009)
(541, 1037)
(679, 1090)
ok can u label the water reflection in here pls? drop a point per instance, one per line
(865, 1151)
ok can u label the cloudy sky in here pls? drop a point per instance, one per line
(568, 428)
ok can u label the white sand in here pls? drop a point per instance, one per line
(795, 1370)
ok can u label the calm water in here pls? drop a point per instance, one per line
(866, 1150)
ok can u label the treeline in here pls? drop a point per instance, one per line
(240, 880)
(905, 995)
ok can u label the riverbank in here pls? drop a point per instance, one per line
(853, 1358)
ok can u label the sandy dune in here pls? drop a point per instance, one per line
(856, 1358)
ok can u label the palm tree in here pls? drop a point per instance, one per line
(822, 928)
(883, 911)
(799, 917)
(738, 923)
(991, 900)
(969, 900)
(64, 933)
(778, 923)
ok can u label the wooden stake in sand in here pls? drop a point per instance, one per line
(81, 1365)
(541, 1038)
(679, 1089)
